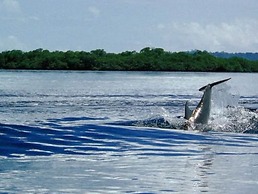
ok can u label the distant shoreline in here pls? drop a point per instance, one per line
(118, 71)
(148, 59)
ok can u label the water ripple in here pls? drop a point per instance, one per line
(85, 139)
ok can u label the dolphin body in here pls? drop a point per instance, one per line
(202, 112)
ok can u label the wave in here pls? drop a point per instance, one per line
(22, 140)
(57, 137)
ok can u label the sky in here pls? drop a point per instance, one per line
(129, 25)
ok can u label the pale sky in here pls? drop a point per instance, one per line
(121, 25)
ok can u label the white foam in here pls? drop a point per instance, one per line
(227, 115)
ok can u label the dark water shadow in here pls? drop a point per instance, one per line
(84, 139)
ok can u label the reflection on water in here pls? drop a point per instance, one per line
(204, 170)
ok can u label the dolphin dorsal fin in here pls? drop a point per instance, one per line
(188, 111)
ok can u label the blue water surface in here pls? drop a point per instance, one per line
(119, 132)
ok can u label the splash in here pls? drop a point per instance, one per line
(228, 116)
(235, 119)
(222, 98)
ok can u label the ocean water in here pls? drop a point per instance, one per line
(121, 132)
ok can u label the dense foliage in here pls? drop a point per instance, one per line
(148, 59)
(247, 55)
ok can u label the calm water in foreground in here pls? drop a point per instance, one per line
(119, 132)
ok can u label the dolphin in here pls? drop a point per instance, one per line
(202, 112)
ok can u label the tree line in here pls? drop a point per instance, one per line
(147, 59)
(247, 55)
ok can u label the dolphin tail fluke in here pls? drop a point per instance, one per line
(188, 111)
(214, 83)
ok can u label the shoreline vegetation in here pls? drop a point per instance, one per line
(148, 59)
